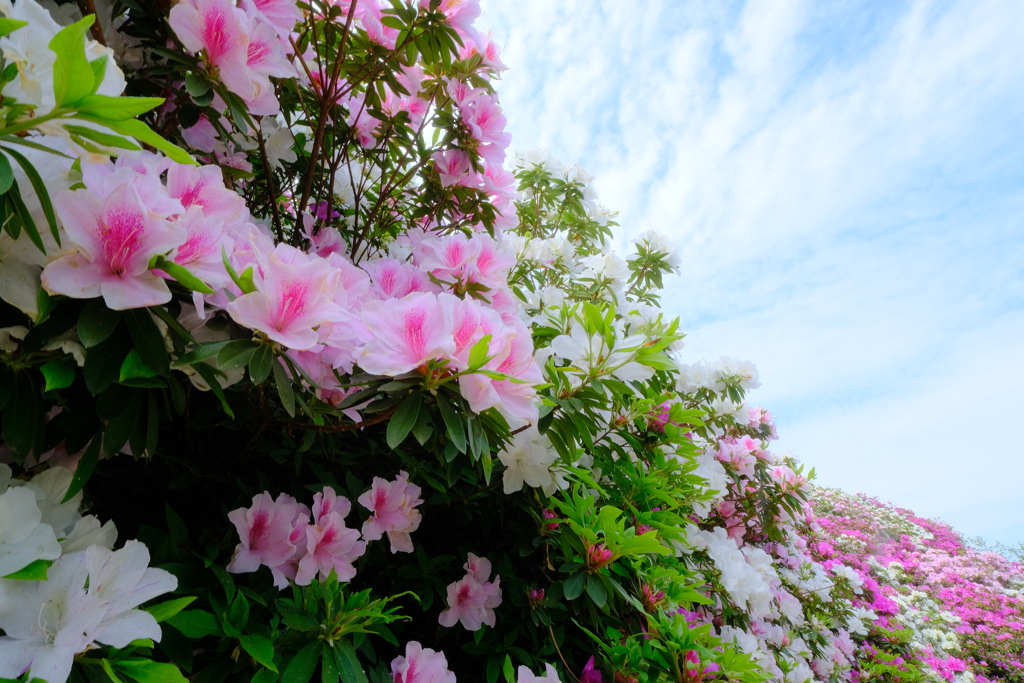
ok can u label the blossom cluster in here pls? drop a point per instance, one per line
(298, 544)
(89, 594)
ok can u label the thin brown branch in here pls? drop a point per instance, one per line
(346, 427)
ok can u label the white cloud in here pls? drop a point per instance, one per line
(844, 180)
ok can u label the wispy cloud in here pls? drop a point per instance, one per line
(847, 184)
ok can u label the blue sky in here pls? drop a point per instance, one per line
(846, 182)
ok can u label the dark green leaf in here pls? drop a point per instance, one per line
(148, 340)
(404, 419)
(259, 366)
(284, 389)
(117, 431)
(236, 354)
(85, 467)
(210, 375)
(453, 422)
(302, 666)
(572, 588)
(96, 322)
(196, 85)
(6, 174)
(42, 194)
(200, 353)
(196, 623)
(351, 669)
(260, 648)
(329, 670)
(596, 591)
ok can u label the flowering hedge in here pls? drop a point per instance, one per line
(356, 396)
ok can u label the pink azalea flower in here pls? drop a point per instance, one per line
(203, 187)
(394, 279)
(406, 334)
(330, 545)
(116, 237)
(268, 533)
(453, 165)
(393, 504)
(421, 665)
(472, 599)
(220, 29)
(292, 298)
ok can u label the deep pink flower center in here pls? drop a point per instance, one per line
(120, 238)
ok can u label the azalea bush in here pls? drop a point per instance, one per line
(961, 608)
(304, 376)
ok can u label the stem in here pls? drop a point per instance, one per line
(346, 427)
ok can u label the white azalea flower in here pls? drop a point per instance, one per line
(529, 460)
(24, 537)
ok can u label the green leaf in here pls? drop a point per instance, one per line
(453, 423)
(404, 419)
(85, 467)
(302, 666)
(329, 670)
(596, 591)
(200, 353)
(244, 281)
(8, 26)
(196, 623)
(148, 671)
(143, 133)
(18, 208)
(35, 571)
(236, 354)
(238, 613)
(96, 323)
(572, 588)
(210, 375)
(260, 648)
(284, 389)
(351, 669)
(148, 340)
(109, 670)
(105, 139)
(133, 366)
(166, 610)
(265, 676)
(261, 363)
(99, 70)
(59, 373)
(117, 108)
(73, 77)
(509, 670)
(41, 192)
(478, 354)
(300, 622)
(180, 273)
(6, 174)
(196, 85)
